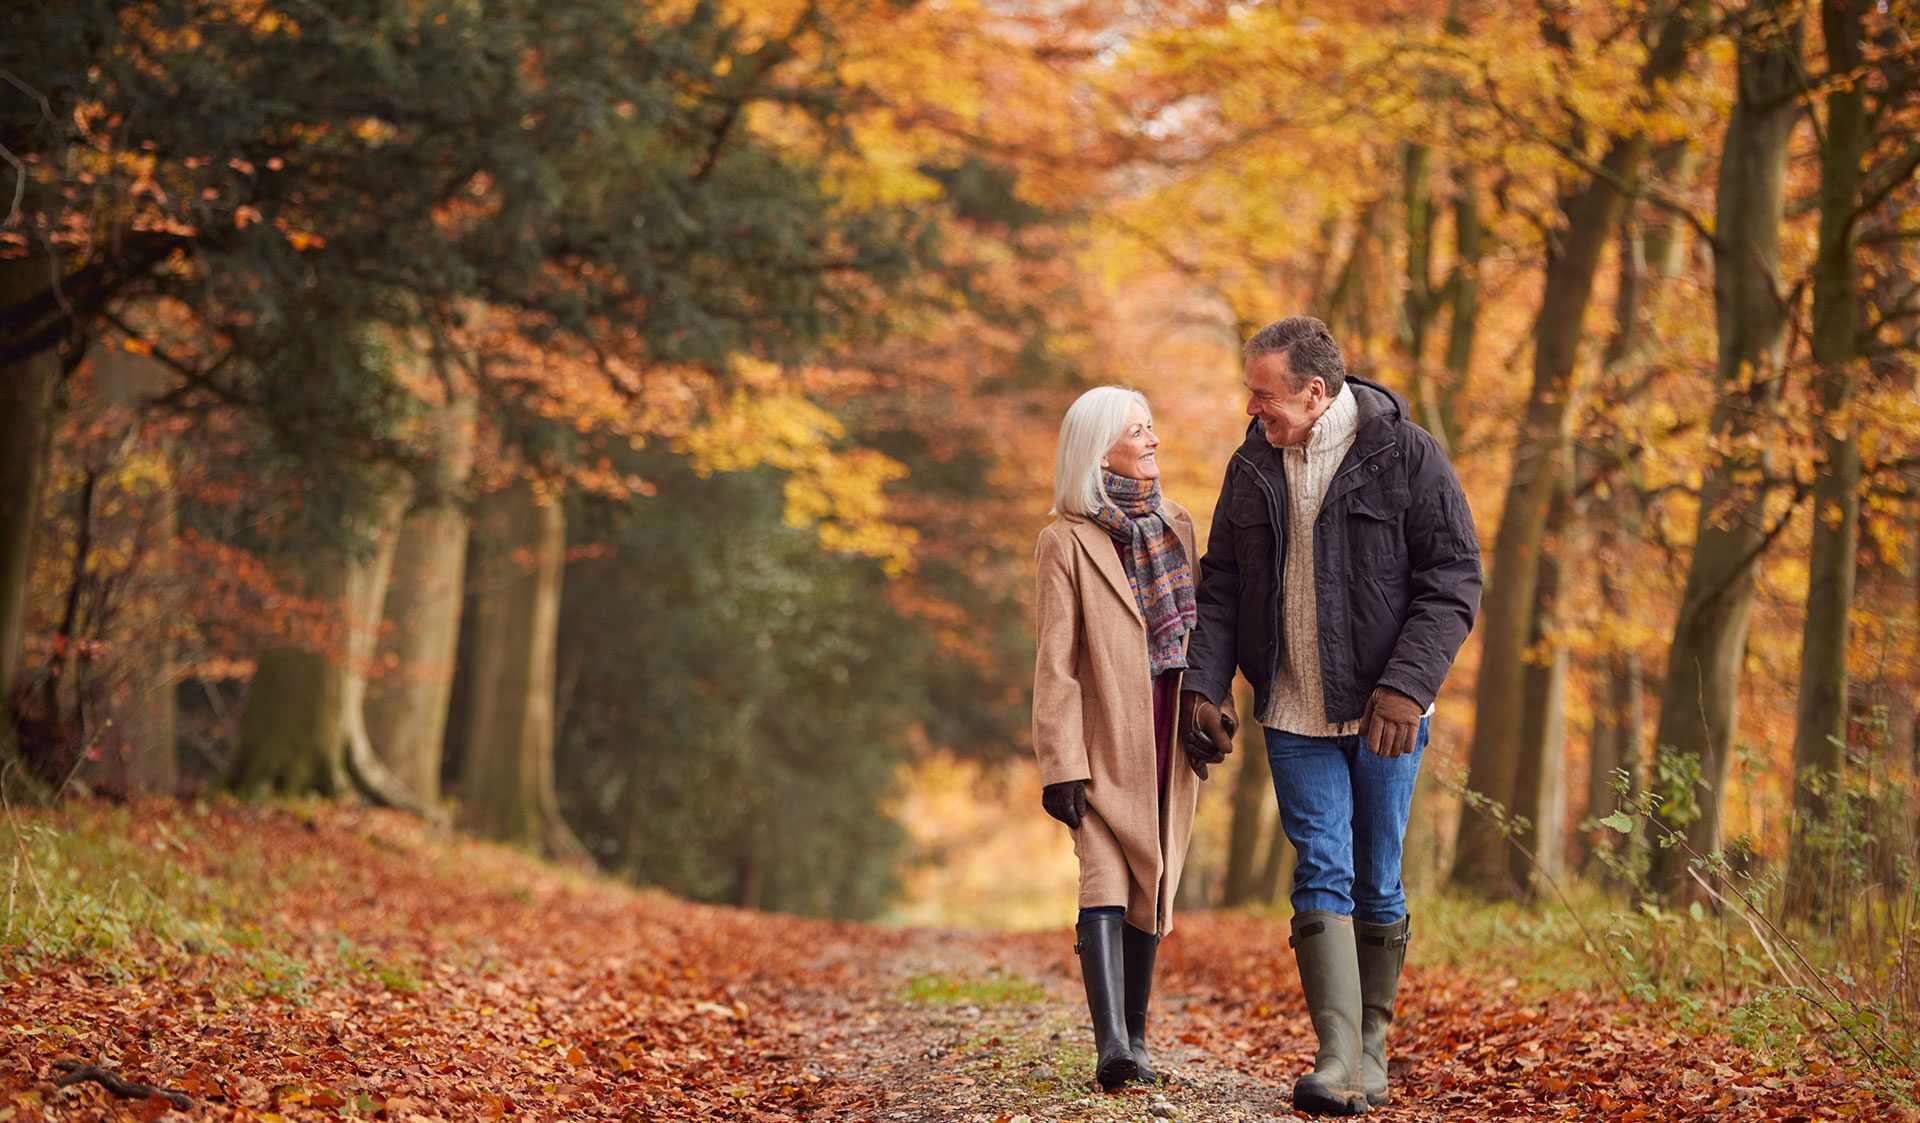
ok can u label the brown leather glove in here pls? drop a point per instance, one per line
(1066, 801)
(1390, 722)
(1205, 731)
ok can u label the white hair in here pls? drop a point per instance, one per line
(1093, 423)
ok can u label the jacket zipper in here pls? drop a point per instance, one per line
(1276, 513)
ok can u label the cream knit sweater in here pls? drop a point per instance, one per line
(1296, 704)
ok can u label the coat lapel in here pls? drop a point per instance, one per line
(1098, 544)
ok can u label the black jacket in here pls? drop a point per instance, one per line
(1396, 566)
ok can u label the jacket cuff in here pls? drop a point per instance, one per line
(1420, 694)
(1200, 683)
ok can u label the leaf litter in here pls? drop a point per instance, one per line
(387, 969)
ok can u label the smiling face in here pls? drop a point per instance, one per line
(1286, 415)
(1132, 455)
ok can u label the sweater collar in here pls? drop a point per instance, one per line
(1335, 428)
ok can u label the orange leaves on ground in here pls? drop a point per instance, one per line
(1472, 1048)
(375, 967)
(392, 974)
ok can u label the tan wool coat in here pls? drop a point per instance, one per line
(1093, 721)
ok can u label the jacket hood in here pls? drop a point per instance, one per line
(1372, 400)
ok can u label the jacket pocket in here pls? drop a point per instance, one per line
(1376, 530)
(1248, 509)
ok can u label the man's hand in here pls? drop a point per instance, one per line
(1205, 731)
(1066, 801)
(1390, 722)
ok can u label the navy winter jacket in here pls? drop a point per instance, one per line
(1395, 556)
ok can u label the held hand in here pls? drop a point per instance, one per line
(1390, 723)
(1205, 731)
(1066, 801)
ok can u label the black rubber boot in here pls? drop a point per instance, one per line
(1139, 948)
(1383, 951)
(1330, 975)
(1101, 971)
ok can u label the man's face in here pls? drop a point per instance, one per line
(1286, 415)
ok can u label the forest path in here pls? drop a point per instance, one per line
(321, 962)
(986, 1027)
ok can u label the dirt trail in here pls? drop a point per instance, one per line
(972, 1026)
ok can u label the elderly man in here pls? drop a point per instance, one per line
(1341, 576)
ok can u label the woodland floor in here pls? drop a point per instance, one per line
(343, 963)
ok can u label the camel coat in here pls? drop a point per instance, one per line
(1093, 721)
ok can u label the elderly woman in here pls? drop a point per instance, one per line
(1115, 606)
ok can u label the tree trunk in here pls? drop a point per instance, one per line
(1539, 783)
(1588, 215)
(520, 544)
(27, 417)
(1469, 239)
(1699, 701)
(1820, 720)
(290, 742)
(293, 733)
(1506, 618)
(406, 711)
(1252, 794)
(141, 511)
(1420, 303)
(367, 579)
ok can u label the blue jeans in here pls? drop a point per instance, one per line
(1345, 810)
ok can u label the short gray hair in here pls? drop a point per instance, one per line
(1310, 350)
(1093, 423)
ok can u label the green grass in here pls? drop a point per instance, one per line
(987, 993)
(94, 884)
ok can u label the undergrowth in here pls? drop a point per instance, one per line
(1739, 951)
(130, 895)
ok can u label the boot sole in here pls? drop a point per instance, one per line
(1115, 1073)
(1315, 1100)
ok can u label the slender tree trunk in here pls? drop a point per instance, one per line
(1420, 303)
(520, 544)
(1469, 238)
(1252, 794)
(1820, 720)
(1699, 702)
(407, 710)
(1539, 786)
(27, 417)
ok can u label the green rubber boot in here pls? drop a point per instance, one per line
(1323, 946)
(1383, 952)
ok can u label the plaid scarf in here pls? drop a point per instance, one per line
(1156, 565)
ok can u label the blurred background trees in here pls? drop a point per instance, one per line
(623, 428)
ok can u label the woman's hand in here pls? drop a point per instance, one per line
(1065, 801)
(1206, 731)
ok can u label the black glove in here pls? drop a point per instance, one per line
(1390, 722)
(1065, 801)
(1205, 730)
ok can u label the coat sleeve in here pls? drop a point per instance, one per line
(1443, 552)
(1210, 656)
(1059, 741)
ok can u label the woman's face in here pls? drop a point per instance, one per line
(1132, 455)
